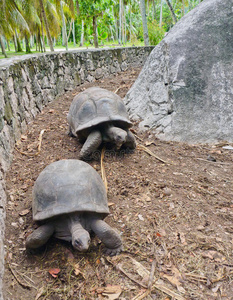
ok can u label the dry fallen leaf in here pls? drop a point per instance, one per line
(112, 291)
(182, 238)
(214, 255)
(148, 143)
(54, 272)
(24, 137)
(24, 212)
(77, 271)
(70, 255)
(40, 292)
(140, 269)
(174, 279)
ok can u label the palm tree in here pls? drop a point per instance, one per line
(28, 9)
(46, 25)
(2, 26)
(172, 11)
(144, 22)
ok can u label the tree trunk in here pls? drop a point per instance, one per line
(32, 41)
(125, 30)
(40, 48)
(64, 27)
(120, 22)
(15, 42)
(73, 32)
(18, 46)
(3, 46)
(172, 11)
(154, 9)
(116, 28)
(144, 22)
(130, 22)
(183, 7)
(71, 26)
(8, 45)
(95, 32)
(28, 49)
(161, 14)
(41, 39)
(46, 25)
(82, 34)
(77, 7)
(122, 25)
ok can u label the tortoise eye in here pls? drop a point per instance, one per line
(77, 243)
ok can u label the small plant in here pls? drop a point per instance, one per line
(155, 33)
(102, 35)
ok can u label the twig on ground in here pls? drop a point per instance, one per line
(167, 291)
(119, 267)
(104, 178)
(221, 278)
(38, 148)
(214, 162)
(141, 296)
(141, 147)
(155, 285)
(24, 285)
(138, 137)
(121, 86)
(152, 271)
(24, 153)
(40, 141)
(196, 277)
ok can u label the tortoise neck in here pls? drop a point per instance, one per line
(75, 222)
(79, 235)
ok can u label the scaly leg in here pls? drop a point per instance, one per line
(40, 236)
(110, 238)
(91, 144)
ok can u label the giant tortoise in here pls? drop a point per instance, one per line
(97, 115)
(70, 201)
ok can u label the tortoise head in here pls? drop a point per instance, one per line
(117, 135)
(80, 237)
(82, 241)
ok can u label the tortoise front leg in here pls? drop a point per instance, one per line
(110, 238)
(91, 144)
(40, 236)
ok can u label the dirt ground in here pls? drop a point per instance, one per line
(175, 217)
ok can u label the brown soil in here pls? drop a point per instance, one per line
(175, 218)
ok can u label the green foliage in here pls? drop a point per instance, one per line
(102, 35)
(155, 33)
(22, 18)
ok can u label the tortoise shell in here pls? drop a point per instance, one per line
(68, 186)
(95, 106)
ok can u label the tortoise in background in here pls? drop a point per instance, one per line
(70, 201)
(98, 115)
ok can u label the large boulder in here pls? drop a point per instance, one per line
(185, 89)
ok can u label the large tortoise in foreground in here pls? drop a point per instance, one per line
(70, 201)
(98, 115)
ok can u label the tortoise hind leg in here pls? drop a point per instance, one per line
(40, 236)
(110, 238)
(91, 144)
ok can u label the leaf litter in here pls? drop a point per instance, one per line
(172, 206)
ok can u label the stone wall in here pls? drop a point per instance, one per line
(30, 82)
